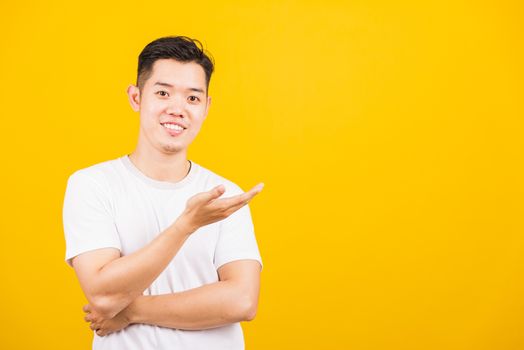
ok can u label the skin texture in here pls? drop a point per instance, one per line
(113, 284)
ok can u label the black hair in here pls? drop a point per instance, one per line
(180, 48)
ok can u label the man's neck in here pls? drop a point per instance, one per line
(161, 167)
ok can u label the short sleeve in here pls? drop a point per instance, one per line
(87, 219)
(237, 236)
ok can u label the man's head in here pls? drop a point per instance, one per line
(179, 48)
(172, 88)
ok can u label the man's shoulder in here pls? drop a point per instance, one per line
(212, 179)
(99, 173)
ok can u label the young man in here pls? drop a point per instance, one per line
(163, 247)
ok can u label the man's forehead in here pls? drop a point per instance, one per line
(178, 75)
(178, 86)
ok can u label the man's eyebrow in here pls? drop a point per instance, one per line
(171, 86)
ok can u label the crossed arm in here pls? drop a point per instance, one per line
(232, 299)
(114, 285)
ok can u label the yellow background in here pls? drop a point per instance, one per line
(389, 136)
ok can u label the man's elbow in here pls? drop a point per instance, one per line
(102, 305)
(108, 306)
(251, 313)
(247, 308)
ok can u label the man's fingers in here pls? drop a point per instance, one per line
(230, 210)
(86, 308)
(258, 187)
(216, 192)
(243, 198)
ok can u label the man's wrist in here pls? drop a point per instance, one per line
(131, 312)
(181, 225)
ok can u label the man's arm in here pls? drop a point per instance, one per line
(111, 282)
(232, 299)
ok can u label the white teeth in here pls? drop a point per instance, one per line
(173, 127)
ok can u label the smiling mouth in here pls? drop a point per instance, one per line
(171, 126)
(172, 129)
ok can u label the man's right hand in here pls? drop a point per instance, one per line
(205, 208)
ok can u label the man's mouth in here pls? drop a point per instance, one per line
(173, 129)
(173, 126)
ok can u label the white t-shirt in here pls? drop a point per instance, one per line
(114, 204)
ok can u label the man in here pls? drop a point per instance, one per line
(163, 248)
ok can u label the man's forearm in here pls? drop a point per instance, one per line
(209, 306)
(123, 279)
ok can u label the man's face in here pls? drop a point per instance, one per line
(173, 96)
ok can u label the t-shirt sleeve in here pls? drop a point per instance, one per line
(237, 236)
(88, 222)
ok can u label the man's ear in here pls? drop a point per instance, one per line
(133, 93)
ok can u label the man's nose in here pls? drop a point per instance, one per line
(176, 105)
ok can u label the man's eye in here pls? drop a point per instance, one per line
(193, 98)
(162, 93)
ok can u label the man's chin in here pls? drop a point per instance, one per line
(171, 148)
